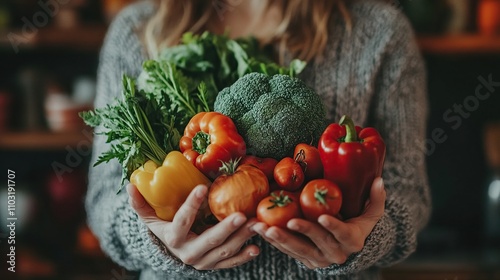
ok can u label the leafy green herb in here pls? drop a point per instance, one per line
(139, 128)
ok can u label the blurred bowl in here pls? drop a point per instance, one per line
(62, 113)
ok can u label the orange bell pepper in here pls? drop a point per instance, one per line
(211, 138)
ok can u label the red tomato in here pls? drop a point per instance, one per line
(308, 157)
(288, 174)
(320, 197)
(278, 208)
(265, 164)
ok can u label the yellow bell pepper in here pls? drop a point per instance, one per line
(166, 187)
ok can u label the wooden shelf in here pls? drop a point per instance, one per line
(45, 140)
(460, 44)
(84, 38)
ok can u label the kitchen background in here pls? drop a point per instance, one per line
(49, 55)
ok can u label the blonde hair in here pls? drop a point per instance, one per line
(303, 30)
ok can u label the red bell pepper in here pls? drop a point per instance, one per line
(352, 158)
(211, 138)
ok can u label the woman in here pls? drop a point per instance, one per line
(363, 62)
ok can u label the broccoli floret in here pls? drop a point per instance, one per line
(273, 113)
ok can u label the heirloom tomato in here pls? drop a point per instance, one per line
(239, 189)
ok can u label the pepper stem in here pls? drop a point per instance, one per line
(200, 142)
(350, 129)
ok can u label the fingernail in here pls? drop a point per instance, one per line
(238, 221)
(129, 188)
(253, 254)
(294, 226)
(380, 184)
(256, 229)
(272, 234)
(251, 229)
(200, 192)
(323, 221)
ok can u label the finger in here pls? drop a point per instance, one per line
(247, 254)
(293, 246)
(350, 235)
(139, 204)
(320, 236)
(231, 247)
(337, 228)
(217, 235)
(185, 216)
(376, 204)
(261, 229)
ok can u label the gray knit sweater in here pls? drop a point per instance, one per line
(375, 74)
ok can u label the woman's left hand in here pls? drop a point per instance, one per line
(330, 241)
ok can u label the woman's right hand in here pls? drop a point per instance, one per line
(216, 248)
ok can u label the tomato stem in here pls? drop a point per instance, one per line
(279, 200)
(229, 167)
(300, 158)
(321, 195)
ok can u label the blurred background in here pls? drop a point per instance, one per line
(49, 56)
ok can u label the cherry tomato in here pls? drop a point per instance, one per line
(320, 196)
(265, 164)
(308, 157)
(288, 174)
(278, 208)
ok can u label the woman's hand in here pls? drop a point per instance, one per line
(332, 240)
(216, 248)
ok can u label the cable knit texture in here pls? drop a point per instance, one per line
(375, 74)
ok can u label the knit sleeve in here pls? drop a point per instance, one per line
(398, 109)
(122, 235)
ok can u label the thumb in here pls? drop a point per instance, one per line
(139, 204)
(376, 204)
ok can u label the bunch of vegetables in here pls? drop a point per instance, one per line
(147, 123)
(219, 112)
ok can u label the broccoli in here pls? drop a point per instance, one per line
(273, 113)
